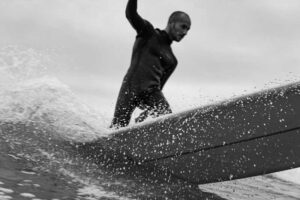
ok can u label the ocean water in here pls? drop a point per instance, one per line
(40, 120)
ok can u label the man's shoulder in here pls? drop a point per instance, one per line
(147, 30)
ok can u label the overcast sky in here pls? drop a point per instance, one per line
(231, 42)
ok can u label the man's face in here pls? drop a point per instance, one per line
(179, 29)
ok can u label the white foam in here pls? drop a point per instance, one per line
(51, 103)
(28, 173)
(5, 197)
(28, 195)
(1, 183)
(5, 190)
(90, 191)
(94, 192)
(14, 157)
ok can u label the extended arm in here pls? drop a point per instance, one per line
(137, 22)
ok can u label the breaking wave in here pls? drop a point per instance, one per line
(30, 95)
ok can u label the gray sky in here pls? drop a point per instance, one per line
(231, 42)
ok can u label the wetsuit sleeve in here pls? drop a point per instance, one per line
(166, 76)
(137, 22)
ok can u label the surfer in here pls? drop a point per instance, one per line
(152, 63)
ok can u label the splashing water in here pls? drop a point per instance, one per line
(39, 117)
(29, 94)
(17, 64)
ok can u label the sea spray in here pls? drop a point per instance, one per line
(40, 118)
(29, 94)
(20, 64)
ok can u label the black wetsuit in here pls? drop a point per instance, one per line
(152, 63)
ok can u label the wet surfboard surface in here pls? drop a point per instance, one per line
(243, 137)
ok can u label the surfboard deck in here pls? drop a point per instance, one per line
(247, 136)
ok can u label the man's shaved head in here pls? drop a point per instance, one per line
(178, 25)
(179, 16)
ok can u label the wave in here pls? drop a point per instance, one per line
(30, 95)
(40, 119)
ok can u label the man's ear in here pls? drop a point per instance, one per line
(170, 25)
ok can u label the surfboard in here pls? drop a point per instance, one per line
(247, 136)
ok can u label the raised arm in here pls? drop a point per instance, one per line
(137, 22)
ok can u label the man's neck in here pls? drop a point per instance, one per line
(167, 30)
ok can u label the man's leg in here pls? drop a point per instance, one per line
(125, 105)
(156, 105)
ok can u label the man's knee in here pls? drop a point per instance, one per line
(121, 117)
(163, 107)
